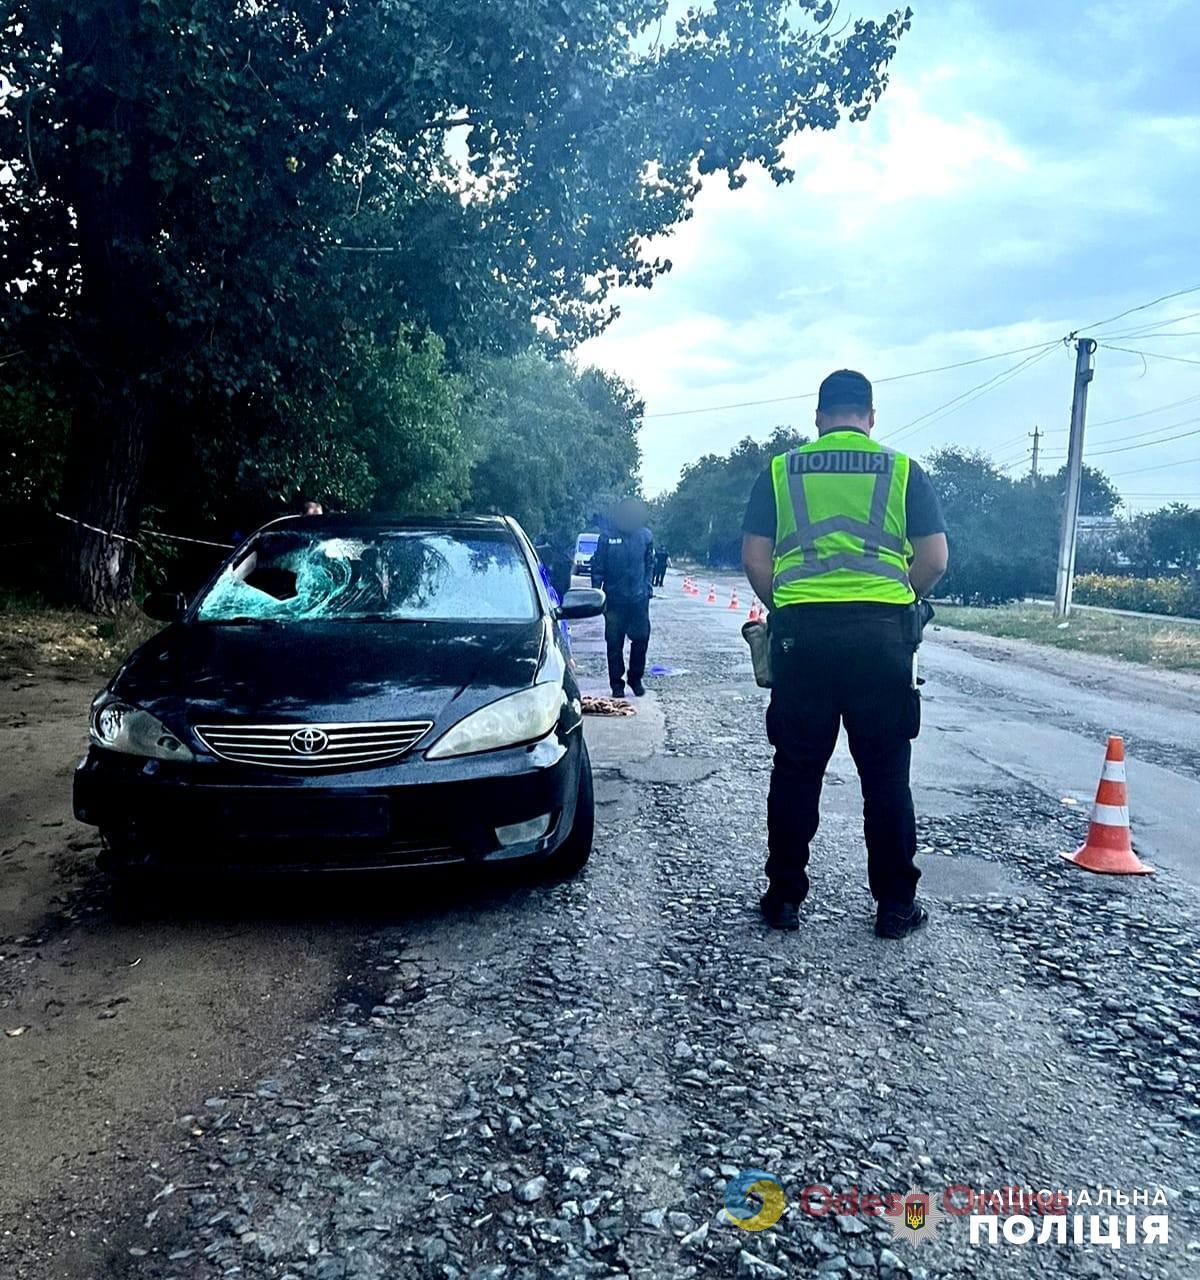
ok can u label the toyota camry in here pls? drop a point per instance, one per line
(350, 693)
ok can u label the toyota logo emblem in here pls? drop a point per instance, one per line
(308, 742)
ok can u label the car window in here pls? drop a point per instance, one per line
(393, 575)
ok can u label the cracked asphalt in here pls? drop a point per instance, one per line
(522, 1080)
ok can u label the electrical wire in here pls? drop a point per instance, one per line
(811, 395)
(1145, 413)
(1158, 466)
(1145, 306)
(941, 411)
(1147, 444)
(1155, 337)
(982, 388)
(1157, 324)
(1151, 355)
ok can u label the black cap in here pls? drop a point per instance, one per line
(844, 389)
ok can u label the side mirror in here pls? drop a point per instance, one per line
(165, 606)
(581, 602)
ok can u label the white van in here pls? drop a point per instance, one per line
(585, 548)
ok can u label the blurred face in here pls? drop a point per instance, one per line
(313, 509)
(630, 514)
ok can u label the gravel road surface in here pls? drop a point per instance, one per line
(432, 1078)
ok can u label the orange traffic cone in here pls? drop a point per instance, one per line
(687, 586)
(1108, 848)
(733, 600)
(755, 614)
(712, 594)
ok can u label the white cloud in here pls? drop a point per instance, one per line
(999, 195)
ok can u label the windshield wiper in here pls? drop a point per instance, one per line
(369, 617)
(242, 620)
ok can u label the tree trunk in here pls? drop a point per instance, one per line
(106, 464)
(116, 321)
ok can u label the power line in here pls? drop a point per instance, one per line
(1146, 336)
(1158, 466)
(1148, 444)
(810, 395)
(1148, 328)
(1145, 413)
(1005, 444)
(960, 364)
(1145, 306)
(1152, 355)
(972, 393)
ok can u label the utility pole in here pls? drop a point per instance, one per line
(1037, 435)
(1085, 349)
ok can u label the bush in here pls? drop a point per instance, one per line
(1176, 597)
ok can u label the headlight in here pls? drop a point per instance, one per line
(521, 717)
(117, 726)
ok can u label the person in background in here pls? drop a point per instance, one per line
(558, 564)
(661, 560)
(310, 508)
(843, 536)
(623, 565)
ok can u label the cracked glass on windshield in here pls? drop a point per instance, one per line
(373, 575)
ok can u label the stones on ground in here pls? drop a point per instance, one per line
(532, 1191)
(561, 1082)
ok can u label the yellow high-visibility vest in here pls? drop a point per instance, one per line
(840, 522)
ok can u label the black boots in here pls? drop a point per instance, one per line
(898, 919)
(779, 913)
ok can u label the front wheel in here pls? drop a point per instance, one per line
(571, 856)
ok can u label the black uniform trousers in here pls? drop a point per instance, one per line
(855, 670)
(626, 620)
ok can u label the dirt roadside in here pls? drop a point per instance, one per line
(112, 1027)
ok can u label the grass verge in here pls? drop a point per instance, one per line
(1145, 640)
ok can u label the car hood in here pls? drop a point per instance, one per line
(200, 673)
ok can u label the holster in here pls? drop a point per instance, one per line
(915, 617)
(758, 636)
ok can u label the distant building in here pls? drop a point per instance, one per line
(1098, 531)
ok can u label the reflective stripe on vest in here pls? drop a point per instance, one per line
(841, 556)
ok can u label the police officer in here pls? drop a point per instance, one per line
(843, 536)
(622, 565)
(661, 560)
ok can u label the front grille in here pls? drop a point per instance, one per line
(309, 747)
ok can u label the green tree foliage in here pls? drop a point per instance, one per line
(387, 437)
(1004, 532)
(702, 517)
(550, 446)
(1098, 496)
(1166, 541)
(33, 429)
(216, 215)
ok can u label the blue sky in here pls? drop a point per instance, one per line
(1031, 169)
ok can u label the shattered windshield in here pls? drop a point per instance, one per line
(407, 575)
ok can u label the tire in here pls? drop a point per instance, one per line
(571, 856)
(126, 883)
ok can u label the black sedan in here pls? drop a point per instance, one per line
(350, 693)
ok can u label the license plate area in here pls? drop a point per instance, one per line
(300, 817)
